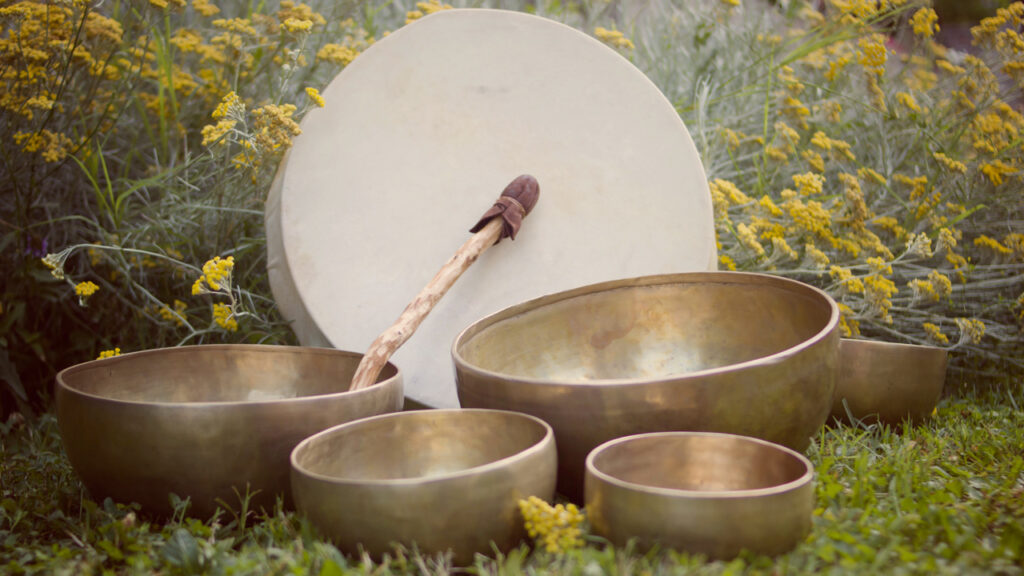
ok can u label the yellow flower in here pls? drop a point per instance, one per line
(294, 25)
(425, 8)
(942, 284)
(920, 245)
(818, 258)
(991, 244)
(216, 276)
(947, 240)
(971, 329)
(848, 325)
(729, 190)
(747, 238)
(727, 261)
(780, 246)
(613, 38)
(996, 169)
(214, 133)
(109, 353)
(873, 53)
(230, 105)
(556, 528)
(315, 96)
(236, 25)
(866, 173)
(337, 54)
(908, 102)
(809, 183)
(84, 290)
(845, 278)
(769, 206)
(949, 163)
(87, 288)
(813, 159)
(204, 7)
(175, 315)
(224, 317)
(924, 22)
(935, 334)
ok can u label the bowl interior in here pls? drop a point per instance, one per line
(418, 445)
(217, 373)
(699, 462)
(654, 330)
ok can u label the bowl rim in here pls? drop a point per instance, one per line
(806, 478)
(546, 442)
(882, 345)
(64, 386)
(711, 277)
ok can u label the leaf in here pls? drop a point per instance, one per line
(182, 551)
(9, 375)
(331, 568)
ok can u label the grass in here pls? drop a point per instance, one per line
(942, 497)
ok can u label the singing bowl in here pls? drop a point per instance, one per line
(732, 352)
(204, 421)
(439, 479)
(887, 381)
(707, 493)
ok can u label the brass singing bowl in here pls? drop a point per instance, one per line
(439, 479)
(204, 421)
(707, 493)
(888, 381)
(741, 353)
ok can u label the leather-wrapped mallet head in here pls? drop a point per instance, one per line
(515, 202)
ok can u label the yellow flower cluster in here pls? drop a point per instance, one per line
(613, 38)
(971, 329)
(223, 316)
(873, 54)
(216, 276)
(315, 97)
(109, 353)
(935, 334)
(424, 9)
(176, 315)
(924, 22)
(556, 528)
(337, 54)
(86, 289)
(950, 164)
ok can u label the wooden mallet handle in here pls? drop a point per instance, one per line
(500, 221)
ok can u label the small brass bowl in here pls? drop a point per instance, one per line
(442, 479)
(706, 493)
(730, 352)
(203, 421)
(887, 381)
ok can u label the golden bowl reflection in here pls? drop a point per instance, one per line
(706, 493)
(730, 352)
(888, 381)
(204, 421)
(442, 479)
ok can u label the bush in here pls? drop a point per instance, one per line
(851, 151)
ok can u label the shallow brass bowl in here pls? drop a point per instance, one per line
(888, 381)
(203, 421)
(731, 352)
(713, 494)
(442, 479)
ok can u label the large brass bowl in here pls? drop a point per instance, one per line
(203, 421)
(442, 479)
(888, 381)
(713, 494)
(731, 352)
